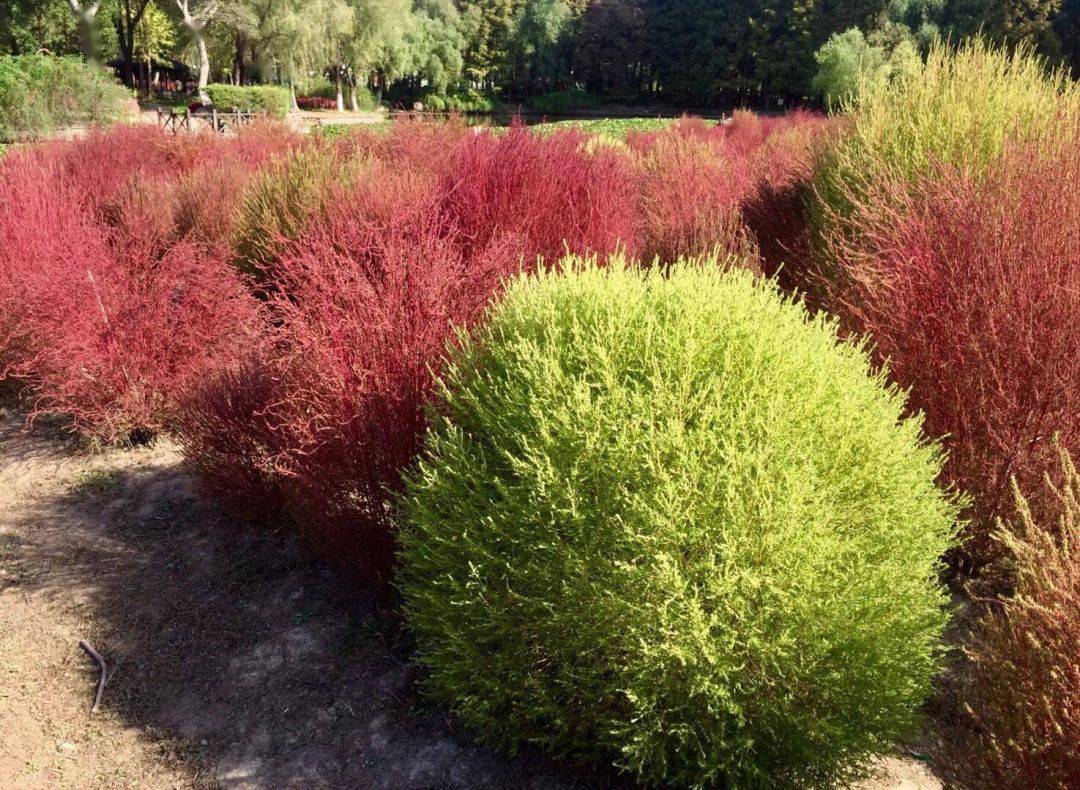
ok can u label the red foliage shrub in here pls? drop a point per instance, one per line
(971, 291)
(316, 103)
(423, 147)
(113, 296)
(225, 427)
(116, 345)
(542, 195)
(1020, 725)
(199, 196)
(44, 243)
(727, 184)
(691, 199)
(365, 304)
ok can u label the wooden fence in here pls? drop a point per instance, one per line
(220, 122)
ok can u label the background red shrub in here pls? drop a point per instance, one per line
(227, 433)
(731, 184)
(115, 293)
(117, 343)
(543, 195)
(691, 198)
(316, 103)
(971, 290)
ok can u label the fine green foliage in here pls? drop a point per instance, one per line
(271, 99)
(278, 203)
(40, 93)
(462, 101)
(668, 520)
(316, 86)
(959, 109)
(847, 60)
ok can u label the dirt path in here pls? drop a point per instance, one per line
(235, 659)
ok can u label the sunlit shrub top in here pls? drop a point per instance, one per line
(959, 109)
(669, 521)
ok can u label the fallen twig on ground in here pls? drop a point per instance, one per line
(101, 680)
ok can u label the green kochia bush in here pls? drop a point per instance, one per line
(671, 522)
(958, 109)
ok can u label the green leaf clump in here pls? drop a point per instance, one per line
(42, 93)
(666, 519)
(274, 100)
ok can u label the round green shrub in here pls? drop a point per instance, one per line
(670, 521)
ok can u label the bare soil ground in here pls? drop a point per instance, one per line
(235, 659)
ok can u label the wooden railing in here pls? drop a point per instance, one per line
(220, 122)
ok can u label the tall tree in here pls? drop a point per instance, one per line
(155, 38)
(1067, 27)
(538, 48)
(196, 18)
(127, 14)
(33, 26)
(86, 11)
(611, 46)
(1027, 21)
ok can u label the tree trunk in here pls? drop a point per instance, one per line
(86, 36)
(239, 65)
(292, 95)
(352, 96)
(340, 95)
(204, 66)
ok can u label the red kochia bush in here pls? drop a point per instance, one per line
(1020, 720)
(225, 426)
(970, 290)
(315, 103)
(691, 198)
(44, 244)
(111, 306)
(132, 333)
(543, 195)
(727, 184)
(430, 148)
(365, 305)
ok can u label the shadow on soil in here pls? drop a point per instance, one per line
(276, 670)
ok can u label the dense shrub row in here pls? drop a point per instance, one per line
(39, 94)
(273, 100)
(115, 291)
(664, 517)
(1021, 702)
(947, 227)
(970, 287)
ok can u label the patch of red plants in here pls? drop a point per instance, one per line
(363, 307)
(735, 185)
(544, 195)
(115, 292)
(970, 289)
(316, 103)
